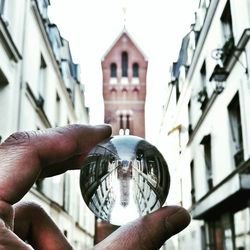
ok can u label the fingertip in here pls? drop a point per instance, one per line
(178, 219)
(107, 128)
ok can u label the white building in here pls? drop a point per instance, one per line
(40, 87)
(205, 133)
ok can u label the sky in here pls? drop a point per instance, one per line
(156, 26)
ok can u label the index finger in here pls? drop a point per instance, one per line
(24, 155)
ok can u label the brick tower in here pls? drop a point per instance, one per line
(124, 70)
(124, 87)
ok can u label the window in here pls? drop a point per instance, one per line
(190, 129)
(124, 64)
(127, 121)
(203, 75)
(121, 124)
(58, 110)
(66, 192)
(1, 6)
(124, 121)
(42, 81)
(3, 79)
(192, 182)
(236, 129)
(43, 7)
(226, 20)
(135, 70)
(221, 232)
(127, 130)
(113, 70)
(242, 228)
(206, 142)
(177, 88)
(202, 95)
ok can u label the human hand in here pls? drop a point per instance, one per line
(28, 156)
(149, 232)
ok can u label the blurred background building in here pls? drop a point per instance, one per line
(40, 87)
(206, 120)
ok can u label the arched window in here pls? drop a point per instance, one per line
(135, 70)
(113, 70)
(124, 64)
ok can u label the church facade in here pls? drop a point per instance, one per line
(124, 87)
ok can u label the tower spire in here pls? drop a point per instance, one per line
(124, 11)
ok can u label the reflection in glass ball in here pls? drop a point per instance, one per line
(123, 178)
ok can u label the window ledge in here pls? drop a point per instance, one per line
(8, 43)
(124, 80)
(113, 80)
(135, 80)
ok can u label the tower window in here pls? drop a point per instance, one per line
(135, 70)
(124, 64)
(113, 70)
(127, 121)
(121, 121)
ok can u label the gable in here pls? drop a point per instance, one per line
(121, 44)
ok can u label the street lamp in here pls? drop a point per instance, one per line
(218, 77)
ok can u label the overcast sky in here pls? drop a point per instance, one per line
(157, 27)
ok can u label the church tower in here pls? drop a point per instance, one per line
(124, 70)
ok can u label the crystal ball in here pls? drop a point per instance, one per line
(123, 178)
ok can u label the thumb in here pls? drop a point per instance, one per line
(149, 232)
(7, 214)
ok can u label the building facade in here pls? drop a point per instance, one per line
(40, 87)
(207, 123)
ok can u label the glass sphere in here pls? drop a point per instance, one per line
(123, 178)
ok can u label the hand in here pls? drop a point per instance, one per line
(27, 156)
(149, 232)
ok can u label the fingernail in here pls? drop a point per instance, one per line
(178, 221)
